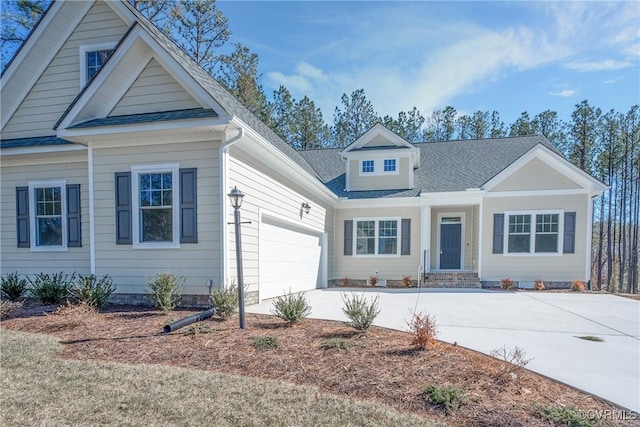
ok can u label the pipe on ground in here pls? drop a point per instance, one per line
(189, 320)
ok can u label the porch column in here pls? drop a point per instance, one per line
(426, 238)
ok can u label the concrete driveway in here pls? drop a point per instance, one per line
(544, 325)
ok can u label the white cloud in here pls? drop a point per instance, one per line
(605, 65)
(564, 93)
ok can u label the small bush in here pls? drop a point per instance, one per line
(506, 283)
(166, 290)
(12, 286)
(578, 286)
(264, 343)
(338, 343)
(6, 307)
(406, 281)
(538, 285)
(291, 308)
(567, 416)
(448, 397)
(93, 291)
(51, 288)
(360, 311)
(515, 360)
(345, 281)
(424, 330)
(225, 301)
(373, 280)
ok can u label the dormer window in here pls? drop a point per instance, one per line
(368, 166)
(92, 58)
(380, 166)
(390, 165)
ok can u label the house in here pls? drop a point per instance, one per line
(118, 151)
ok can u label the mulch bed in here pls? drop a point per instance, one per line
(380, 365)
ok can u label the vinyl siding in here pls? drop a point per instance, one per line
(154, 90)
(129, 267)
(388, 268)
(470, 235)
(379, 141)
(18, 171)
(536, 175)
(60, 83)
(268, 191)
(566, 267)
(359, 182)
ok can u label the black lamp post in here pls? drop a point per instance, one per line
(236, 201)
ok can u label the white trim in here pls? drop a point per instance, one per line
(463, 221)
(86, 48)
(453, 198)
(480, 237)
(42, 149)
(589, 234)
(532, 234)
(292, 222)
(378, 130)
(376, 237)
(62, 184)
(92, 216)
(426, 237)
(387, 202)
(535, 193)
(347, 175)
(174, 168)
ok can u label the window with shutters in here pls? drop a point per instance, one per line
(47, 215)
(533, 233)
(377, 236)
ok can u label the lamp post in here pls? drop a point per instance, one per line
(236, 201)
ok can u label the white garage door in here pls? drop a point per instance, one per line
(290, 258)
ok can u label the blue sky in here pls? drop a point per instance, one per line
(504, 56)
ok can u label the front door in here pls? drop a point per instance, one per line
(450, 246)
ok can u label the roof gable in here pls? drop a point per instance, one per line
(378, 137)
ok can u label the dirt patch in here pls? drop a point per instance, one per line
(380, 365)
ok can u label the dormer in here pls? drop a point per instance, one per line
(380, 160)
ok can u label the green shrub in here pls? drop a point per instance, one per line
(448, 397)
(264, 343)
(166, 290)
(51, 288)
(12, 286)
(225, 301)
(360, 311)
(291, 308)
(339, 343)
(567, 416)
(93, 291)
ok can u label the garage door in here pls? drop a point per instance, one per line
(290, 258)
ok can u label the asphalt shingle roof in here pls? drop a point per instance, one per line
(39, 141)
(194, 113)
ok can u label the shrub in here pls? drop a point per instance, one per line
(12, 286)
(538, 285)
(360, 311)
(577, 286)
(424, 330)
(515, 359)
(373, 280)
(225, 301)
(93, 291)
(506, 283)
(264, 343)
(338, 343)
(448, 397)
(291, 308)
(345, 281)
(166, 290)
(406, 281)
(567, 416)
(51, 288)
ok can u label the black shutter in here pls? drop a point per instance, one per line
(188, 206)
(74, 230)
(498, 233)
(22, 217)
(123, 208)
(348, 237)
(569, 243)
(405, 242)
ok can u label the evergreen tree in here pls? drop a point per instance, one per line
(355, 118)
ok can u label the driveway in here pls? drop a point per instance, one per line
(544, 325)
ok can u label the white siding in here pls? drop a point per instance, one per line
(18, 171)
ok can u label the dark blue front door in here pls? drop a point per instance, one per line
(450, 246)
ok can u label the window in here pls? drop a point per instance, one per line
(547, 233)
(95, 60)
(533, 233)
(367, 166)
(48, 216)
(377, 237)
(366, 238)
(389, 165)
(519, 233)
(388, 237)
(378, 167)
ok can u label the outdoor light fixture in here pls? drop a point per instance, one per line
(236, 201)
(306, 207)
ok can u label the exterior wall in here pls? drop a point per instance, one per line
(379, 182)
(266, 190)
(378, 141)
(527, 268)
(536, 175)
(129, 267)
(154, 90)
(60, 83)
(470, 235)
(18, 171)
(388, 267)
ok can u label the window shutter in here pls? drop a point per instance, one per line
(569, 243)
(405, 243)
(348, 237)
(74, 230)
(22, 217)
(123, 208)
(188, 206)
(498, 233)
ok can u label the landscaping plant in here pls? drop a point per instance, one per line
(506, 283)
(446, 396)
(515, 360)
(345, 281)
(337, 343)
(424, 330)
(93, 291)
(373, 280)
(166, 290)
(291, 308)
(538, 285)
(360, 311)
(264, 343)
(12, 286)
(566, 416)
(406, 281)
(577, 286)
(51, 288)
(225, 301)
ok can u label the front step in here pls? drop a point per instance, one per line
(462, 279)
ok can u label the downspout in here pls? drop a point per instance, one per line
(223, 169)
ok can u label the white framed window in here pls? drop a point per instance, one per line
(155, 212)
(390, 165)
(377, 236)
(92, 58)
(368, 166)
(379, 166)
(48, 225)
(533, 233)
